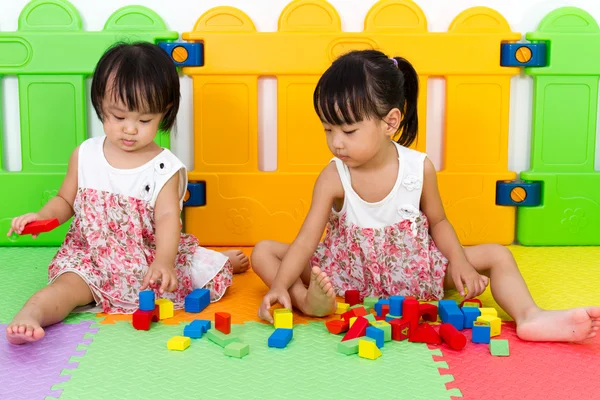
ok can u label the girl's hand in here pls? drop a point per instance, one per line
(18, 223)
(465, 274)
(163, 273)
(280, 295)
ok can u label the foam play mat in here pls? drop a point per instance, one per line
(91, 356)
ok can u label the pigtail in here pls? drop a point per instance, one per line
(410, 123)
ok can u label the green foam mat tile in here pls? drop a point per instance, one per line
(124, 363)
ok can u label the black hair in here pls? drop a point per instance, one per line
(365, 84)
(142, 76)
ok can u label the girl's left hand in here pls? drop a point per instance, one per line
(465, 274)
(163, 273)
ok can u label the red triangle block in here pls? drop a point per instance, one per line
(358, 329)
(425, 334)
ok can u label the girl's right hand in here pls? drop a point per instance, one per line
(274, 295)
(18, 223)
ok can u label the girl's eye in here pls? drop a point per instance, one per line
(118, 118)
(349, 132)
(145, 121)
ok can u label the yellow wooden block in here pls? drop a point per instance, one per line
(283, 318)
(165, 308)
(178, 343)
(495, 324)
(368, 349)
(489, 311)
(352, 319)
(342, 308)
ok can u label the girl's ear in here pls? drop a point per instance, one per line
(392, 121)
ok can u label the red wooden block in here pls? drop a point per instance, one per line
(380, 318)
(452, 336)
(385, 309)
(358, 329)
(223, 322)
(359, 311)
(352, 297)
(410, 312)
(141, 319)
(477, 301)
(429, 312)
(46, 225)
(425, 334)
(347, 315)
(400, 329)
(337, 326)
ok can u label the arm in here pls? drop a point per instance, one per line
(327, 188)
(60, 206)
(167, 233)
(445, 238)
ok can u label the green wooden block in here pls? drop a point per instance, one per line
(499, 347)
(351, 346)
(220, 338)
(386, 328)
(370, 318)
(369, 302)
(237, 349)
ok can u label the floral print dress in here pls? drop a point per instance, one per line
(384, 248)
(110, 243)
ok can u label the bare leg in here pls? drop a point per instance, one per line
(238, 259)
(511, 293)
(317, 300)
(48, 306)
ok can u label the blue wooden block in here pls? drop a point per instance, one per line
(481, 333)
(443, 306)
(471, 314)
(396, 305)
(147, 300)
(523, 55)
(197, 301)
(193, 53)
(193, 331)
(202, 324)
(379, 304)
(280, 337)
(377, 334)
(450, 313)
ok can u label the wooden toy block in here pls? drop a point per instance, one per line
(369, 302)
(471, 303)
(41, 226)
(178, 343)
(280, 337)
(196, 328)
(349, 346)
(411, 313)
(197, 301)
(370, 317)
(337, 326)
(342, 308)
(379, 307)
(351, 321)
(358, 329)
(352, 297)
(368, 349)
(204, 323)
(385, 327)
(390, 317)
(400, 329)
(377, 334)
(495, 324)
(499, 348)
(283, 318)
(359, 310)
(428, 312)
(165, 308)
(221, 338)
(425, 334)
(450, 313)
(237, 349)
(492, 312)
(452, 336)
(481, 332)
(223, 322)
(141, 319)
(471, 314)
(380, 318)
(147, 300)
(396, 305)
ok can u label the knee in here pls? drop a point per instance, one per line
(261, 250)
(502, 255)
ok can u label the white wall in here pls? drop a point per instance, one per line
(180, 15)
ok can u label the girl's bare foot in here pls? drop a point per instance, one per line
(320, 298)
(574, 325)
(24, 330)
(239, 261)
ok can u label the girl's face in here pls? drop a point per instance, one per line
(128, 130)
